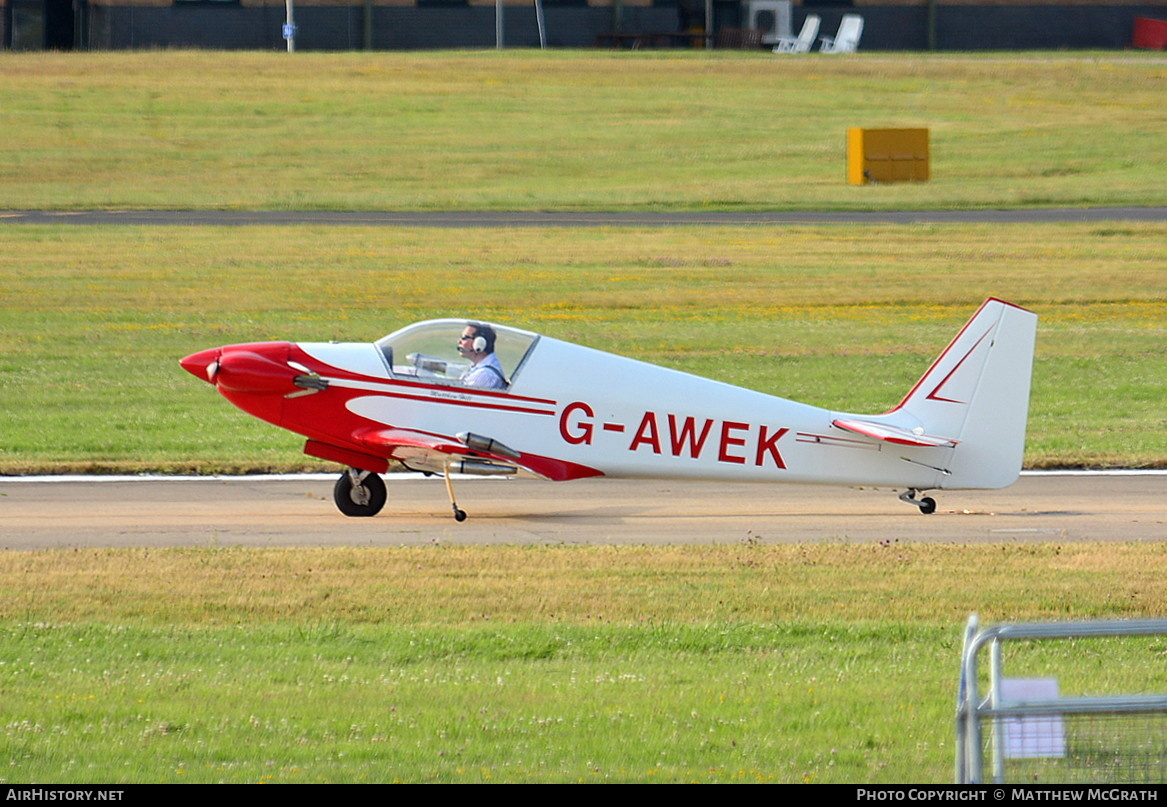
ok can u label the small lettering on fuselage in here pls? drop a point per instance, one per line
(451, 395)
(733, 441)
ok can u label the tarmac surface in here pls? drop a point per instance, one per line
(298, 511)
(576, 219)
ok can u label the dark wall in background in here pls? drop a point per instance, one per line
(572, 24)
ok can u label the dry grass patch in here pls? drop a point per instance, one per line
(751, 582)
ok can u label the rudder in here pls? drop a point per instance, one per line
(977, 394)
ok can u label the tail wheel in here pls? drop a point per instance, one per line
(359, 494)
(927, 505)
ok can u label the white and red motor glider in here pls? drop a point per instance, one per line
(560, 411)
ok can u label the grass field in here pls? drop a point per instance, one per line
(742, 663)
(571, 129)
(737, 663)
(94, 320)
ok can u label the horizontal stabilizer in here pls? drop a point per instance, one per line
(893, 434)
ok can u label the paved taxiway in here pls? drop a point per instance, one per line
(299, 512)
(676, 218)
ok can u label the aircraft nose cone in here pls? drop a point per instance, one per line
(259, 368)
(204, 364)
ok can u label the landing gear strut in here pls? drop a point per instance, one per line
(360, 494)
(927, 504)
(459, 515)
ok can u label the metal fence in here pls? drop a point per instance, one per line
(1026, 731)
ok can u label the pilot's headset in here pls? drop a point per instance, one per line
(483, 338)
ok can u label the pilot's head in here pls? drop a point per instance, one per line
(477, 340)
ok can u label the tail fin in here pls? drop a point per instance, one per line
(976, 394)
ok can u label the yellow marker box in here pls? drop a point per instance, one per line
(887, 155)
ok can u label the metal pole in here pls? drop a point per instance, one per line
(290, 26)
(966, 696)
(542, 25)
(498, 24)
(995, 675)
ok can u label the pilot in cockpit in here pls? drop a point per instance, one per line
(477, 345)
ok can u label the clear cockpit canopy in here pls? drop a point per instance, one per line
(428, 351)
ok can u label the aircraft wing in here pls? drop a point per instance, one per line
(422, 451)
(394, 439)
(434, 452)
(893, 434)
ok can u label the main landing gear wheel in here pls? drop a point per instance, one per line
(360, 494)
(927, 504)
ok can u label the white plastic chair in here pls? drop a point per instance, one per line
(805, 38)
(846, 40)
